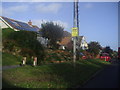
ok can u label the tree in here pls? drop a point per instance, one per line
(108, 50)
(115, 54)
(94, 48)
(53, 32)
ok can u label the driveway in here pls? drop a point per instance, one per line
(107, 78)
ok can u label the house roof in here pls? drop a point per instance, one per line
(66, 34)
(65, 40)
(80, 38)
(20, 25)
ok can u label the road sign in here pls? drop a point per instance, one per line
(74, 32)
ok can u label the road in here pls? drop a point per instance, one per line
(107, 78)
(0, 77)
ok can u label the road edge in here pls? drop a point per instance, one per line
(92, 76)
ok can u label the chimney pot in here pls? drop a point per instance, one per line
(30, 23)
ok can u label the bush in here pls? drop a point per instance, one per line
(29, 61)
(6, 32)
(26, 41)
(26, 52)
(9, 44)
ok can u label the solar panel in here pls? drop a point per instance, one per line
(20, 25)
(23, 24)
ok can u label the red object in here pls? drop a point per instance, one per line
(118, 52)
(105, 57)
(83, 57)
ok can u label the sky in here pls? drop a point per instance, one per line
(59, 0)
(98, 20)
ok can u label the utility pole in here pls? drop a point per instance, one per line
(76, 25)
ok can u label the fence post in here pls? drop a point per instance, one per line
(35, 61)
(24, 60)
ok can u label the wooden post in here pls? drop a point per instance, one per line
(24, 60)
(35, 61)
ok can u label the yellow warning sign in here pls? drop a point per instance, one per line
(74, 32)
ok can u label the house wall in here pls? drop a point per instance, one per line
(42, 40)
(84, 44)
(2, 24)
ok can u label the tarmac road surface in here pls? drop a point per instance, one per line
(107, 78)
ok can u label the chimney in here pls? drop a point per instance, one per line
(30, 23)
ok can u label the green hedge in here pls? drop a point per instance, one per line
(23, 42)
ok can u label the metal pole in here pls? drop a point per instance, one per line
(78, 41)
(74, 49)
(75, 25)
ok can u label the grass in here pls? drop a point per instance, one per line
(9, 59)
(62, 75)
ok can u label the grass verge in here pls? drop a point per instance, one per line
(63, 75)
(9, 59)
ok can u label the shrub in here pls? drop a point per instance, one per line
(9, 45)
(26, 41)
(6, 32)
(27, 52)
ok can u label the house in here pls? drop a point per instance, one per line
(67, 42)
(43, 41)
(81, 41)
(18, 25)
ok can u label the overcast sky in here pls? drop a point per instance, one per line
(98, 20)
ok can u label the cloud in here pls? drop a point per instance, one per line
(51, 8)
(0, 11)
(14, 9)
(37, 0)
(6, 12)
(20, 8)
(59, 0)
(61, 23)
(37, 22)
(88, 5)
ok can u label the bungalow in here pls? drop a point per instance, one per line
(18, 25)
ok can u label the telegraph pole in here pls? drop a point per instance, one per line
(76, 25)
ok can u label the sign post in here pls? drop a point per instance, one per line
(74, 35)
(74, 32)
